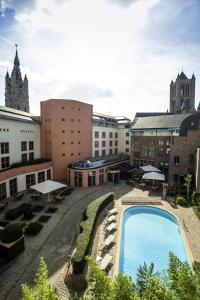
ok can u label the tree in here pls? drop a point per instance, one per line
(143, 274)
(187, 184)
(41, 289)
(123, 288)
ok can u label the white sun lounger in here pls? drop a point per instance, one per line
(110, 239)
(111, 219)
(113, 211)
(106, 261)
(111, 227)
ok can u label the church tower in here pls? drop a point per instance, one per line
(16, 89)
(182, 94)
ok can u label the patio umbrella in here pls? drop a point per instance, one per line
(154, 176)
(150, 168)
(48, 186)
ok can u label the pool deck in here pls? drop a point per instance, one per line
(188, 222)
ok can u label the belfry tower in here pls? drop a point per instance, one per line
(182, 94)
(16, 89)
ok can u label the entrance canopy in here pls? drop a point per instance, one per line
(150, 168)
(47, 186)
(154, 176)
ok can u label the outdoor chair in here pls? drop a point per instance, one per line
(106, 260)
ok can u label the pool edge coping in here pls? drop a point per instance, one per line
(118, 242)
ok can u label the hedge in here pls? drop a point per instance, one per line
(14, 213)
(87, 226)
(11, 233)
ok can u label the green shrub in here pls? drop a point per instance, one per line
(83, 241)
(33, 228)
(196, 198)
(180, 200)
(11, 233)
(14, 213)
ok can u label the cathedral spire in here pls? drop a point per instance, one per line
(16, 89)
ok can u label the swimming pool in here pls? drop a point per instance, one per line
(148, 234)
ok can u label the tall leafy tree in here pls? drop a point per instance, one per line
(41, 290)
(187, 184)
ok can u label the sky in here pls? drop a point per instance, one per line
(119, 55)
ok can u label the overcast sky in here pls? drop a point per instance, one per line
(119, 55)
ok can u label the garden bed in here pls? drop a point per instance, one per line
(51, 210)
(33, 228)
(37, 208)
(44, 218)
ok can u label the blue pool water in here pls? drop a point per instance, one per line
(148, 234)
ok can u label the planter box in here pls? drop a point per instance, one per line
(11, 250)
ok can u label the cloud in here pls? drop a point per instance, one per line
(87, 91)
(124, 3)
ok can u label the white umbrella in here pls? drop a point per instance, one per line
(150, 168)
(47, 186)
(154, 176)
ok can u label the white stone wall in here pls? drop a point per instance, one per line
(101, 129)
(14, 132)
(21, 180)
(124, 140)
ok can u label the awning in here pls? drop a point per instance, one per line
(154, 176)
(150, 168)
(47, 186)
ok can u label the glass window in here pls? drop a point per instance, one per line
(5, 162)
(110, 135)
(3, 194)
(176, 161)
(127, 133)
(31, 145)
(127, 150)
(116, 143)
(31, 156)
(110, 151)
(110, 143)
(78, 179)
(24, 157)
(116, 150)
(96, 134)
(191, 158)
(13, 186)
(91, 178)
(103, 143)
(127, 142)
(49, 174)
(103, 152)
(116, 135)
(4, 148)
(30, 180)
(23, 146)
(96, 144)
(41, 176)
(103, 135)
(96, 153)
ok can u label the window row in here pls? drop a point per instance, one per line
(4, 129)
(27, 145)
(103, 152)
(72, 154)
(103, 134)
(103, 144)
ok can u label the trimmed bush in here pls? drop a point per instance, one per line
(11, 233)
(196, 198)
(14, 213)
(44, 218)
(87, 226)
(37, 208)
(180, 200)
(33, 228)
(51, 210)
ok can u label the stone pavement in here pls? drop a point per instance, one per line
(54, 243)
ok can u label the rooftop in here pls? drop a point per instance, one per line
(167, 121)
(16, 115)
(98, 162)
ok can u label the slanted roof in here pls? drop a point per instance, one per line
(149, 114)
(160, 122)
(16, 115)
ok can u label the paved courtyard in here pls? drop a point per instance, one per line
(55, 240)
(54, 243)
